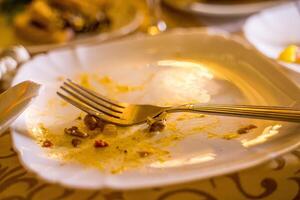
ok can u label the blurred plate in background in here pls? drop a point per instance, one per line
(222, 8)
(272, 30)
(124, 16)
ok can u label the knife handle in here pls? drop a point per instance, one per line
(11, 58)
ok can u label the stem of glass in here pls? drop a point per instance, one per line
(157, 25)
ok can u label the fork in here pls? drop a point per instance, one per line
(124, 114)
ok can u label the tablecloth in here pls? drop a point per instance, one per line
(278, 179)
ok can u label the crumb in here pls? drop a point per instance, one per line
(157, 126)
(90, 121)
(100, 144)
(93, 122)
(75, 142)
(246, 129)
(47, 143)
(74, 131)
(79, 118)
(144, 154)
(242, 131)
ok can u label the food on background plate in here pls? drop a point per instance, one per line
(290, 54)
(55, 21)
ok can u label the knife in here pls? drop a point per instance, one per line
(15, 100)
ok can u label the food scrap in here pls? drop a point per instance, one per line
(100, 144)
(144, 154)
(93, 122)
(79, 118)
(290, 54)
(47, 143)
(246, 129)
(157, 124)
(74, 131)
(75, 142)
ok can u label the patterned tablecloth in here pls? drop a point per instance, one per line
(278, 179)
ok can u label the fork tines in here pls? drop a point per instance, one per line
(90, 102)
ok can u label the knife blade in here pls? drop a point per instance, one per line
(15, 100)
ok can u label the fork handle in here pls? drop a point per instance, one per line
(248, 111)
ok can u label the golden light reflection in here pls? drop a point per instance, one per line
(184, 161)
(153, 30)
(267, 133)
(187, 64)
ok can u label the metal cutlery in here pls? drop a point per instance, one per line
(124, 114)
(14, 101)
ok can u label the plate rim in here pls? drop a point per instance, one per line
(215, 10)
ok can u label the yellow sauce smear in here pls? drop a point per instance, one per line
(117, 88)
(128, 148)
(124, 150)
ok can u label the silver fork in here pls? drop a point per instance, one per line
(124, 114)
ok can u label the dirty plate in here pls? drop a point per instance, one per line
(176, 67)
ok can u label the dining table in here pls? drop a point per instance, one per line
(276, 179)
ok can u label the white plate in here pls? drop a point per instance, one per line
(272, 30)
(221, 10)
(240, 75)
